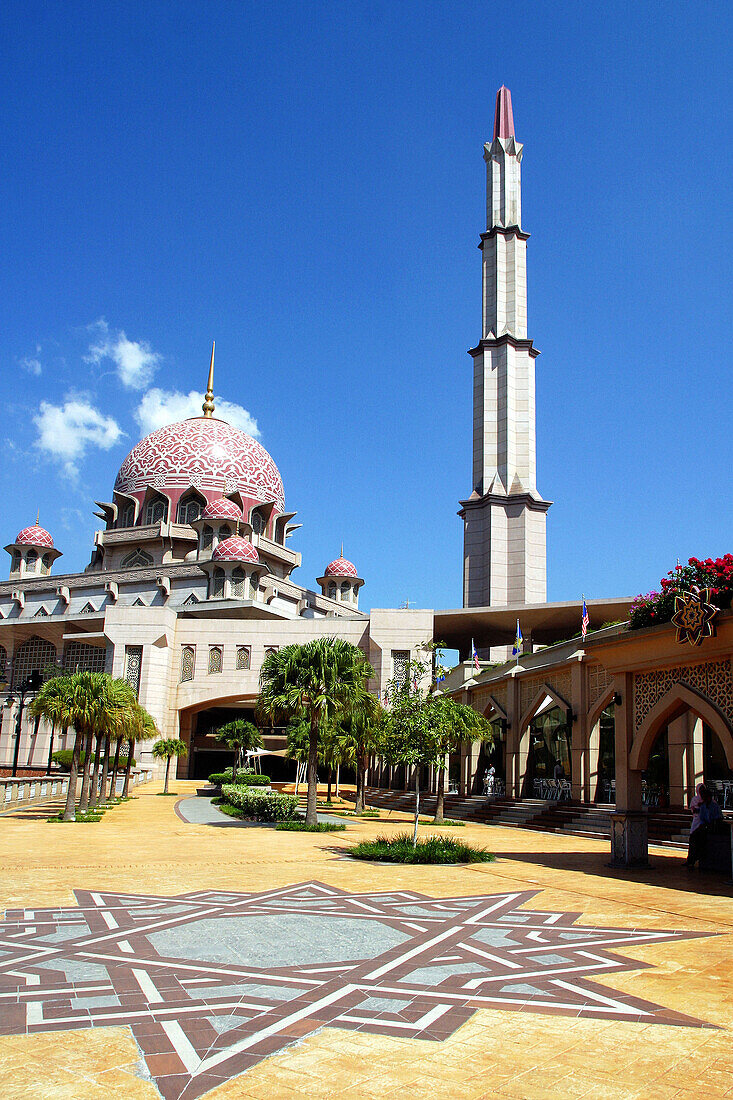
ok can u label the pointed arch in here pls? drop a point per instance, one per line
(678, 699)
(537, 702)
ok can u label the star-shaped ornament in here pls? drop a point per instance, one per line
(693, 615)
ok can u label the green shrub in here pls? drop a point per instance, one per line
(261, 805)
(64, 756)
(244, 779)
(431, 849)
(301, 827)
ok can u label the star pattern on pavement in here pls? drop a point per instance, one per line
(212, 982)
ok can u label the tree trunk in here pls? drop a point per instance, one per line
(94, 784)
(359, 807)
(330, 777)
(73, 774)
(338, 770)
(440, 801)
(417, 806)
(235, 765)
(167, 771)
(311, 813)
(130, 754)
(115, 769)
(86, 774)
(102, 800)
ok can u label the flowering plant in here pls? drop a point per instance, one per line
(714, 574)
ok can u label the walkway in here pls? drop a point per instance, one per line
(147, 956)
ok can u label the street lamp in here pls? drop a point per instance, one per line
(28, 687)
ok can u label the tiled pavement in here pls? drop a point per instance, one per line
(144, 956)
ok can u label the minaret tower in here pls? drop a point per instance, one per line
(504, 559)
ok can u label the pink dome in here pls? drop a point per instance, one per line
(223, 509)
(236, 549)
(34, 536)
(204, 452)
(341, 568)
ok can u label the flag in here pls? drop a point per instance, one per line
(474, 654)
(585, 621)
(517, 648)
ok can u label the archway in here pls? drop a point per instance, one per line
(545, 741)
(600, 784)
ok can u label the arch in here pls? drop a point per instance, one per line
(598, 708)
(216, 659)
(190, 507)
(678, 699)
(538, 700)
(137, 559)
(345, 589)
(224, 532)
(46, 562)
(156, 509)
(31, 560)
(207, 537)
(15, 561)
(237, 585)
(217, 584)
(127, 515)
(36, 654)
(188, 662)
(332, 591)
(258, 521)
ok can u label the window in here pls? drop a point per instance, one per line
(46, 564)
(188, 662)
(238, 579)
(244, 656)
(81, 657)
(139, 602)
(127, 516)
(258, 522)
(41, 612)
(217, 585)
(35, 655)
(216, 660)
(269, 649)
(189, 600)
(400, 665)
(133, 666)
(15, 561)
(156, 511)
(207, 537)
(88, 609)
(136, 560)
(4, 662)
(345, 589)
(31, 559)
(332, 591)
(254, 584)
(224, 532)
(189, 509)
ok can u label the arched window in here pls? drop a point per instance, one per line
(332, 591)
(136, 560)
(46, 564)
(216, 661)
(244, 656)
(127, 516)
(156, 511)
(254, 585)
(31, 560)
(345, 589)
(258, 522)
(34, 655)
(238, 583)
(15, 561)
(224, 532)
(217, 584)
(189, 509)
(207, 537)
(188, 662)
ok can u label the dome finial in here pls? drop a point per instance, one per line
(342, 549)
(38, 516)
(208, 405)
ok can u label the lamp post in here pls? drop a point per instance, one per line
(28, 687)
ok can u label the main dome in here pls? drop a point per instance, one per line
(204, 452)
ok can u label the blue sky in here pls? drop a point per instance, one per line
(305, 184)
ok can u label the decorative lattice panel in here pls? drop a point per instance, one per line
(82, 657)
(34, 655)
(244, 656)
(560, 682)
(712, 679)
(133, 666)
(598, 683)
(216, 660)
(188, 662)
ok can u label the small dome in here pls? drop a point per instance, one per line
(236, 549)
(34, 536)
(341, 567)
(223, 508)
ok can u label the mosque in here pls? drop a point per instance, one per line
(190, 586)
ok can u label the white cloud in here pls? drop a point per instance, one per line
(134, 360)
(67, 431)
(32, 364)
(159, 407)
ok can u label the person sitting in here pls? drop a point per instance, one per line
(707, 811)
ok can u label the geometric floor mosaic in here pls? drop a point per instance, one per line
(212, 982)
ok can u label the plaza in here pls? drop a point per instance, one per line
(654, 1022)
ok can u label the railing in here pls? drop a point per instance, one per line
(19, 792)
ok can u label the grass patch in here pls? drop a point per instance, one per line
(439, 824)
(301, 827)
(167, 794)
(90, 815)
(431, 849)
(226, 808)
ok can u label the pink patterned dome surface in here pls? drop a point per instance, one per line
(222, 509)
(341, 567)
(34, 536)
(204, 452)
(236, 549)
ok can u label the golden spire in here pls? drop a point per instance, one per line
(208, 405)
(342, 548)
(38, 516)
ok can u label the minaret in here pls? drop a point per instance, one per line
(504, 558)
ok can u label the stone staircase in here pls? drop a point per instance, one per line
(576, 819)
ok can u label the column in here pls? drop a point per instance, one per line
(629, 832)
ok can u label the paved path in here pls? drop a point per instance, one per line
(199, 810)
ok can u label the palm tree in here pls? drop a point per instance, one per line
(139, 726)
(241, 736)
(298, 734)
(313, 681)
(361, 736)
(166, 749)
(51, 703)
